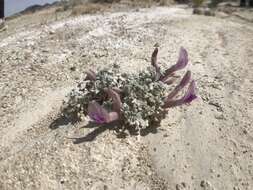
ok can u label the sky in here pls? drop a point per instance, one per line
(14, 6)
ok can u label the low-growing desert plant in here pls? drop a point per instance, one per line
(136, 101)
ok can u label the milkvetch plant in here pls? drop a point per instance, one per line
(136, 101)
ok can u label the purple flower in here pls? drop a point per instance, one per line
(98, 118)
(185, 80)
(155, 64)
(182, 60)
(154, 57)
(189, 96)
(181, 63)
(117, 104)
(100, 115)
(90, 75)
(191, 93)
(97, 113)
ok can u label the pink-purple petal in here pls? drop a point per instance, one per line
(154, 58)
(97, 118)
(97, 113)
(117, 104)
(189, 96)
(90, 75)
(185, 80)
(181, 63)
(113, 116)
(191, 93)
(182, 60)
(155, 64)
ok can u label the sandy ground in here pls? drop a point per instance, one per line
(205, 146)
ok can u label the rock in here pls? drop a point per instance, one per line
(197, 11)
(73, 68)
(206, 185)
(228, 4)
(226, 8)
(181, 186)
(51, 32)
(245, 131)
(203, 11)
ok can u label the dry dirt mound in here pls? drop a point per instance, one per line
(208, 145)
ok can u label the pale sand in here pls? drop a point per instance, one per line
(207, 145)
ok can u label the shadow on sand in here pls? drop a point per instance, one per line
(99, 129)
(62, 120)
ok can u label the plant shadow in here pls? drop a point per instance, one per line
(62, 120)
(101, 128)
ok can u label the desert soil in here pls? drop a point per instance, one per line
(205, 146)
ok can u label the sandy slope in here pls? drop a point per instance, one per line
(208, 145)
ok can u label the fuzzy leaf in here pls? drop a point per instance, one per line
(100, 115)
